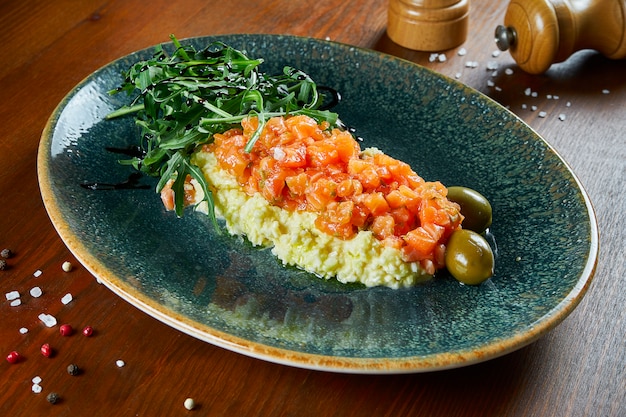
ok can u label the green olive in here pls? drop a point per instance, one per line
(474, 207)
(469, 257)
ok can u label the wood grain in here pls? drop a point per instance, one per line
(578, 369)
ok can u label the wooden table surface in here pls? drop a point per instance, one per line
(578, 369)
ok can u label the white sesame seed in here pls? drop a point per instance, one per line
(67, 266)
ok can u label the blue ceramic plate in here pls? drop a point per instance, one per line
(220, 289)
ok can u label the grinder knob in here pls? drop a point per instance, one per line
(539, 33)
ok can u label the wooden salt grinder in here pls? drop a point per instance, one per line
(539, 33)
(428, 25)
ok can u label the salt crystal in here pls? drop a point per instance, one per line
(494, 74)
(16, 302)
(490, 83)
(492, 65)
(549, 96)
(471, 64)
(496, 53)
(508, 71)
(48, 319)
(67, 298)
(12, 295)
(120, 363)
(462, 52)
(534, 94)
(524, 106)
(542, 114)
(442, 58)
(568, 104)
(561, 117)
(36, 292)
(36, 380)
(528, 91)
(457, 75)
(498, 88)
(36, 388)
(37, 273)
(23, 330)
(605, 91)
(555, 97)
(533, 108)
(433, 57)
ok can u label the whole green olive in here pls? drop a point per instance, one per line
(474, 207)
(469, 257)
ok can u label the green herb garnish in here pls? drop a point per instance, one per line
(182, 100)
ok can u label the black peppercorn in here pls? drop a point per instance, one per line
(6, 253)
(73, 369)
(53, 398)
(3, 264)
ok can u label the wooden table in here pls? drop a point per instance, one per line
(578, 369)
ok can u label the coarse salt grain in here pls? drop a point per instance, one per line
(542, 114)
(492, 65)
(442, 58)
(562, 117)
(36, 292)
(471, 64)
(16, 302)
(36, 388)
(433, 57)
(533, 108)
(490, 83)
(12, 295)
(605, 91)
(37, 273)
(457, 75)
(528, 91)
(67, 298)
(48, 319)
(36, 380)
(120, 363)
(508, 71)
(462, 52)
(23, 330)
(67, 266)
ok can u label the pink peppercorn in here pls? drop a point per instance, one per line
(46, 350)
(88, 331)
(14, 357)
(66, 330)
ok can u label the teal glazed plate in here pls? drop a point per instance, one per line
(220, 289)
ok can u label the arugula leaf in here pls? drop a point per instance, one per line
(183, 99)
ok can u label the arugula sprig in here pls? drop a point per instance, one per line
(183, 99)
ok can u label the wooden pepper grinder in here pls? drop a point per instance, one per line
(539, 33)
(428, 25)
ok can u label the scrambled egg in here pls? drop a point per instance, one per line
(296, 241)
